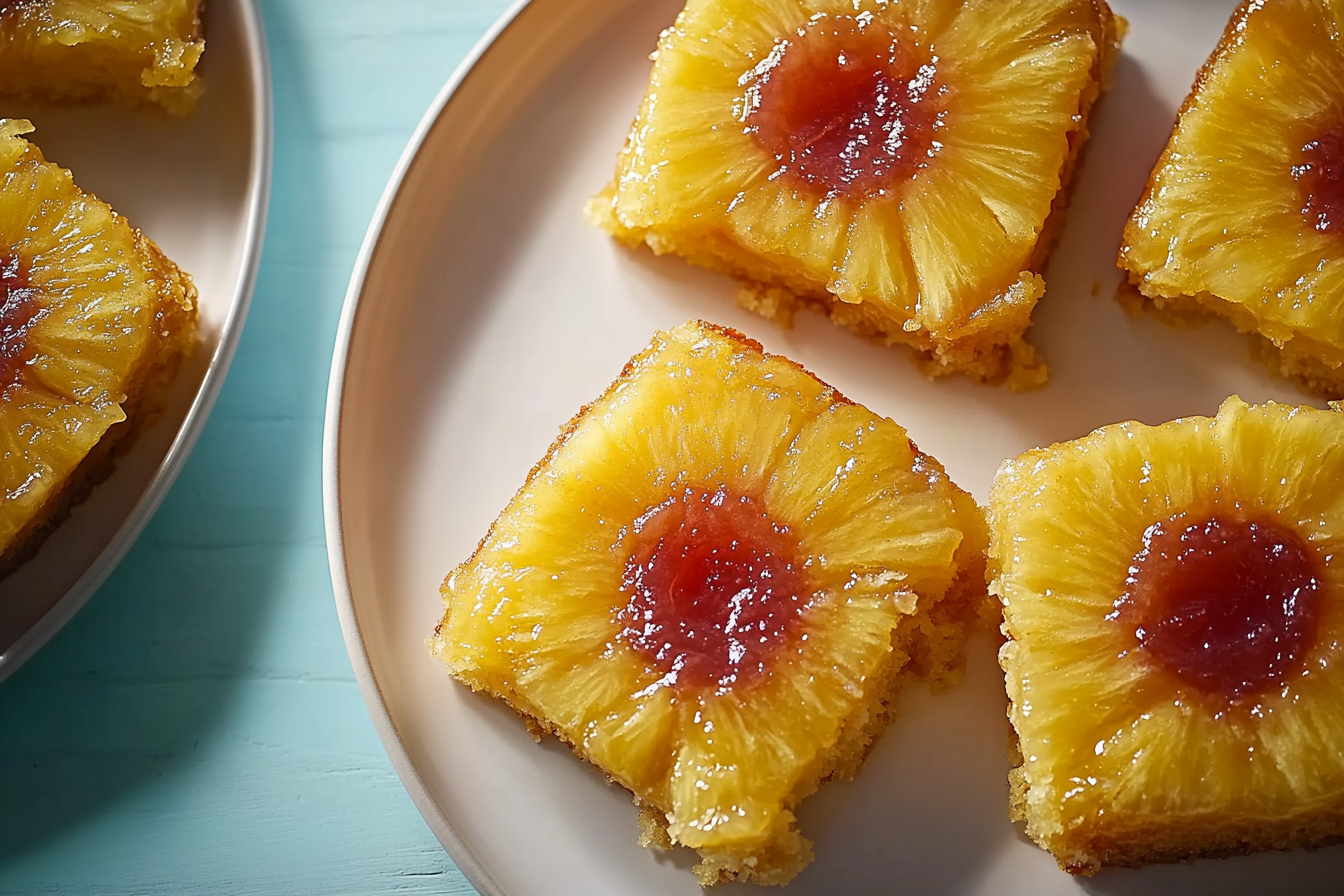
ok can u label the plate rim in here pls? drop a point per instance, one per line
(258, 67)
(351, 632)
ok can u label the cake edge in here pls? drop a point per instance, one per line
(1290, 353)
(1162, 840)
(176, 99)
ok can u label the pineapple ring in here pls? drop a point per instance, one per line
(538, 615)
(1098, 723)
(942, 253)
(89, 302)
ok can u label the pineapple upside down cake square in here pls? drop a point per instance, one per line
(135, 53)
(94, 322)
(1173, 598)
(712, 588)
(902, 166)
(1247, 221)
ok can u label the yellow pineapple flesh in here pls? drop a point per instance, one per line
(142, 52)
(901, 166)
(1246, 221)
(1173, 599)
(93, 322)
(712, 587)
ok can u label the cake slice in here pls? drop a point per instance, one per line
(712, 588)
(141, 52)
(94, 321)
(1247, 222)
(901, 166)
(1173, 599)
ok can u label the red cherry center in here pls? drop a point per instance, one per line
(19, 310)
(1320, 179)
(714, 588)
(1229, 607)
(845, 105)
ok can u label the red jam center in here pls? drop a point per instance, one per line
(19, 310)
(713, 588)
(1320, 178)
(1229, 607)
(845, 106)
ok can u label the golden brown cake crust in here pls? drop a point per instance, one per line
(1157, 842)
(156, 68)
(1291, 355)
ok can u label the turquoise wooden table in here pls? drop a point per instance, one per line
(197, 728)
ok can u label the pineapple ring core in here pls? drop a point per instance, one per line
(714, 586)
(1227, 606)
(1320, 180)
(19, 310)
(845, 105)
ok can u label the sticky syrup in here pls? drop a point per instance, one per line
(1229, 607)
(19, 310)
(1320, 179)
(714, 588)
(845, 105)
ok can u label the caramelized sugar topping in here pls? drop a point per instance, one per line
(19, 310)
(1320, 179)
(845, 105)
(714, 588)
(1229, 607)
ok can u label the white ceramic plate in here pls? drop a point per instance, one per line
(484, 311)
(199, 187)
